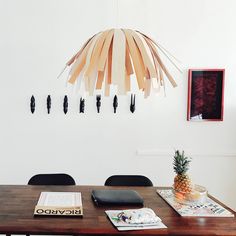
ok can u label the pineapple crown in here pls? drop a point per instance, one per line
(181, 163)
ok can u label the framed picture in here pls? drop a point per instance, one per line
(206, 94)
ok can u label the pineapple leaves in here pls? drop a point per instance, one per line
(181, 163)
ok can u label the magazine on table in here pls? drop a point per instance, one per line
(209, 209)
(59, 204)
(135, 219)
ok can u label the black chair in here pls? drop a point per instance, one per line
(51, 179)
(128, 180)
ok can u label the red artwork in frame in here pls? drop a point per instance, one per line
(206, 94)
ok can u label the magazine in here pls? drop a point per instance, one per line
(209, 209)
(135, 219)
(59, 204)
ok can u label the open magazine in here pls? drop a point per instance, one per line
(135, 219)
(59, 204)
(209, 209)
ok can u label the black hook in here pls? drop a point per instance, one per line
(132, 104)
(65, 104)
(115, 103)
(49, 102)
(81, 105)
(32, 104)
(98, 97)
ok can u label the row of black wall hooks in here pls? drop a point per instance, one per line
(81, 104)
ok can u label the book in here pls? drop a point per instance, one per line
(135, 219)
(209, 209)
(59, 204)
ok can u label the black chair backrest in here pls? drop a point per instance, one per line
(51, 179)
(128, 180)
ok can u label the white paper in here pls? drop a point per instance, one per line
(61, 199)
(159, 225)
(154, 221)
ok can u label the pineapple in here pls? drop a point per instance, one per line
(182, 182)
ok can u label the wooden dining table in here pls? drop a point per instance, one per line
(17, 203)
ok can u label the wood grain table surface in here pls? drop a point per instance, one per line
(17, 204)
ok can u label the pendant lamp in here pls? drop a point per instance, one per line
(117, 56)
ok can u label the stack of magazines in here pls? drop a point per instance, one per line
(135, 219)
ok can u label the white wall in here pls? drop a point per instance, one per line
(37, 37)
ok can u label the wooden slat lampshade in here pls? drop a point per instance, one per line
(111, 57)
